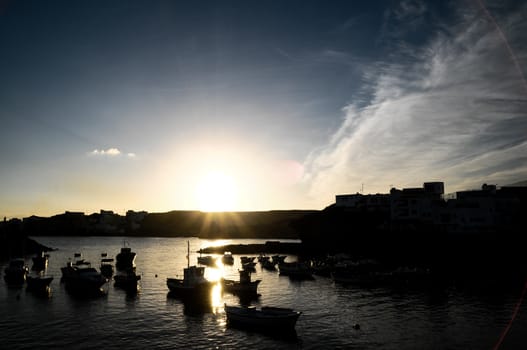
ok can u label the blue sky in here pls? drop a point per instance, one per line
(133, 105)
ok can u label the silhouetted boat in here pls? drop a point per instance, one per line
(84, 279)
(127, 280)
(106, 266)
(15, 273)
(249, 266)
(246, 259)
(193, 284)
(242, 287)
(71, 266)
(278, 259)
(38, 283)
(296, 270)
(125, 258)
(227, 258)
(268, 265)
(266, 318)
(208, 260)
(40, 262)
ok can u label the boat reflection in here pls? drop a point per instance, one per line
(287, 335)
(200, 304)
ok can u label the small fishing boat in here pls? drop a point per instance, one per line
(72, 265)
(296, 270)
(38, 282)
(40, 262)
(246, 259)
(125, 259)
(15, 273)
(242, 287)
(268, 265)
(85, 280)
(127, 280)
(193, 284)
(208, 260)
(106, 265)
(266, 318)
(227, 258)
(249, 266)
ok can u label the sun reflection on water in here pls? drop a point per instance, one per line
(216, 298)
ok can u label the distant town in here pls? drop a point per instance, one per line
(474, 211)
(488, 209)
(374, 223)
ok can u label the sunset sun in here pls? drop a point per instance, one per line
(216, 191)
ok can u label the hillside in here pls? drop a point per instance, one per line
(261, 224)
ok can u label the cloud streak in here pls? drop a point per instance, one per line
(110, 152)
(454, 111)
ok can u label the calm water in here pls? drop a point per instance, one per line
(418, 317)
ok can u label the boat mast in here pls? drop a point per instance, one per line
(188, 254)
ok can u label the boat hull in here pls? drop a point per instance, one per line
(178, 287)
(38, 283)
(275, 319)
(236, 287)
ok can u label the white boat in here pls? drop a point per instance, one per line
(193, 284)
(275, 318)
(242, 287)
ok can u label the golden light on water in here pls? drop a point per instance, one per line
(216, 298)
(215, 274)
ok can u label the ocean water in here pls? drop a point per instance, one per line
(433, 316)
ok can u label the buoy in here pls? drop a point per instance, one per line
(156, 275)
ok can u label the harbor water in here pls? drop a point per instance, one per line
(334, 316)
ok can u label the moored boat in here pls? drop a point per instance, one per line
(40, 262)
(227, 258)
(80, 277)
(296, 270)
(193, 285)
(106, 265)
(127, 280)
(15, 273)
(72, 265)
(274, 318)
(242, 287)
(268, 265)
(38, 282)
(208, 260)
(125, 259)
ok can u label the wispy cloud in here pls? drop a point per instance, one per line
(110, 152)
(456, 111)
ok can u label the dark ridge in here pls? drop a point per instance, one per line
(269, 247)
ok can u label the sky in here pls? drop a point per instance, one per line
(255, 105)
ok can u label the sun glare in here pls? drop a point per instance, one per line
(216, 191)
